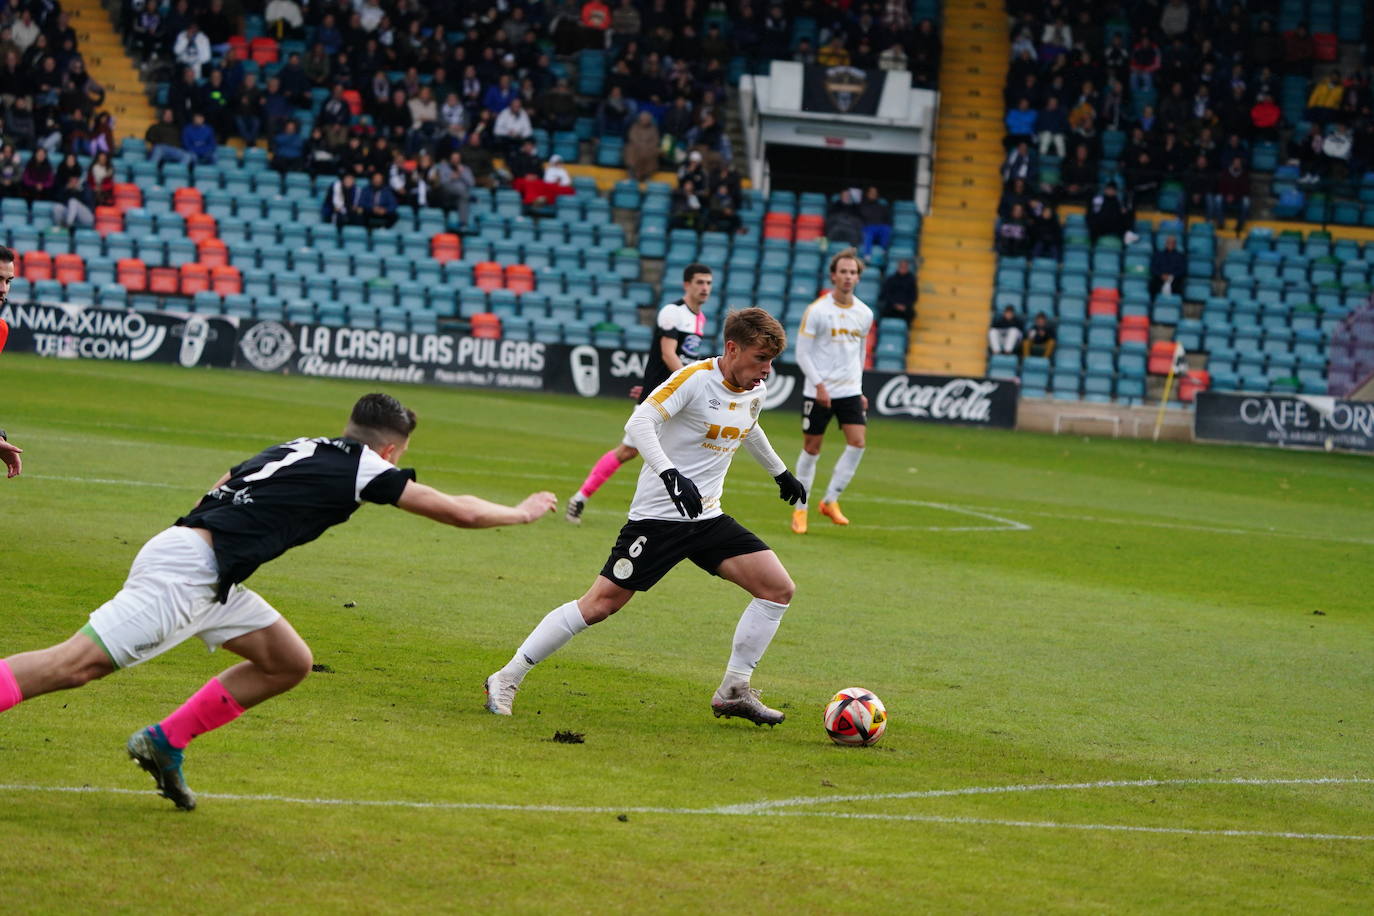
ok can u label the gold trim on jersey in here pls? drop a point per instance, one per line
(801, 329)
(665, 391)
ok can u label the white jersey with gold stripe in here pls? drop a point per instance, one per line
(830, 346)
(705, 420)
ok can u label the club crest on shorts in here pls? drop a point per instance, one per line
(623, 568)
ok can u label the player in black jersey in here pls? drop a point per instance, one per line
(677, 341)
(188, 580)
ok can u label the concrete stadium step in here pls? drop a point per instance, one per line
(110, 65)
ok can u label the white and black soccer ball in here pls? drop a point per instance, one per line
(855, 716)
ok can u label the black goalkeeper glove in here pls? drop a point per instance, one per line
(790, 489)
(683, 492)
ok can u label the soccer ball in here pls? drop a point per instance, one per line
(855, 716)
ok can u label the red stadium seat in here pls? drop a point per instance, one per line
(809, 227)
(1102, 307)
(200, 226)
(226, 280)
(195, 278)
(1134, 329)
(263, 50)
(1105, 292)
(187, 201)
(488, 276)
(165, 281)
(486, 325)
(127, 195)
(520, 278)
(69, 268)
(1193, 381)
(211, 252)
(445, 246)
(1161, 357)
(354, 98)
(238, 47)
(778, 231)
(132, 274)
(1325, 46)
(37, 266)
(109, 219)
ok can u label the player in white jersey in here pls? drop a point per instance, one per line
(677, 341)
(688, 431)
(188, 580)
(830, 353)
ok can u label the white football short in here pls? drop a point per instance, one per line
(170, 597)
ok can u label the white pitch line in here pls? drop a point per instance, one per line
(777, 808)
(106, 480)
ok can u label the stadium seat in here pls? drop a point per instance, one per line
(226, 280)
(69, 268)
(486, 325)
(36, 265)
(200, 226)
(194, 278)
(445, 246)
(519, 278)
(164, 281)
(109, 219)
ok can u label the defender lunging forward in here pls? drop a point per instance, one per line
(830, 352)
(187, 581)
(688, 432)
(677, 340)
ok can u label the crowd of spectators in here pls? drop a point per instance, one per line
(457, 86)
(50, 113)
(1190, 86)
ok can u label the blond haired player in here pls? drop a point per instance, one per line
(830, 353)
(688, 431)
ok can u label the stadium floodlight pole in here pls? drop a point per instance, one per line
(1174, 365)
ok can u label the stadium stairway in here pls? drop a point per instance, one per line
(957, 261)
(112, 68)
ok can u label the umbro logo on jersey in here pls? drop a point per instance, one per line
(715, 404)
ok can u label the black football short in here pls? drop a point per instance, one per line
(647, 550)
(846, 411)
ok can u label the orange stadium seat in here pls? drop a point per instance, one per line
(1108, 293)
(132, 274)
(212, 252)
(1193, 381)
(263, 50)
(1161, 357)
(810, 227)
(69, 268)
(187, 201)
(37, 266)
(488, 276)
(127, 195)
(1101, 307)
(520, 278)
(487, 325)
(1134, 329)
(238, 47)
(200, 226)
(165, 281)
(226, 280)
(109, 219)
(195, 278)
(354, 98)
(445, 246)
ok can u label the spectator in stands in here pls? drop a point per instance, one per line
(843, 223)
(478, 157)
(513, 126)
(1266, 46)
(164, 139)
(1145, 63)
(1078, 176)
(641, 147)
(1336, 149)
(1173, 19)
(1046, 234)
(1051, 125)
(1299, 51)
(709, 136)
(1233, 193)
(556, 173)
(39, 179)
(558, 106)
(100, 180)
(147, 32)
(1017, 192)
(833, 53)
(893, 58)
(1199, 189)
(276, 108)
(1021, 122)
(404, 178)
(1055, 40)
(214, 104)
(1324, 104)
(424, 119)
(1168, 267)
(288, 148)
(1013, 233)
(192, 49)
(626, 24)
(692, 170)
(877, 216)
(342, 202)
(1004, 336)
(613, 113)
(183, 96)
(378, 202)
(1306, 151)
(497, 97)
(897, 296)
(247, 110)
(1265, 118)
(1040, 339)
(1019, 164)
(11, 171)
(335, 116)
(1109, 215)
(73, 205)
(723, 215)
(198, 139)
(688, 211)
(454, 182)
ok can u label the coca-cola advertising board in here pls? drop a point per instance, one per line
(943, 399)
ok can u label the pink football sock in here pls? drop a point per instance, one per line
(9, 687)
(605, 466)
(210, 707)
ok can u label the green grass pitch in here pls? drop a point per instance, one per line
(1121, 677)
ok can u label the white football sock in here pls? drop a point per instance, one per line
(806, 473)
(552, 633)
(844, 472)
(754, 632)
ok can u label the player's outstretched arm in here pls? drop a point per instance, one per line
(473, 511)
(9, 456)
